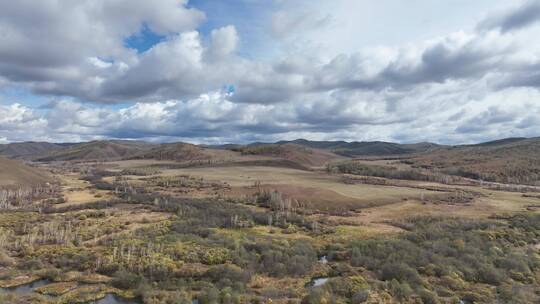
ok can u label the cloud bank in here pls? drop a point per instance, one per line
(205, 86)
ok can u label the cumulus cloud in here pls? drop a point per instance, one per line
(440, 114)
(18, 122)
(16, 115)
(461, 86)
(47, 44)
(175, 64)
(100, 68)
(224, 42)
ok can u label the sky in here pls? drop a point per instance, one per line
(238, 71)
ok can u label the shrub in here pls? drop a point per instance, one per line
(209, 296)
(360, 297)
(427, 297)
(228, 274)
(228, 296)
(163, 297)
(32, 264)
(126, 280)
(400, 291)
(51, 274)
(400, 272)
(347, 286)
(5, 260)
(317, 296)
(490, 275)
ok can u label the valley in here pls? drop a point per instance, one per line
(292, 222)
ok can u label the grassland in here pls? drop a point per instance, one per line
(161, 231)
(14, 173)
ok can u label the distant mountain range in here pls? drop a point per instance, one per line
(348, 149)
(94, 150)
(29, 149)
(513, 160)
(118, 149)
(365, 148)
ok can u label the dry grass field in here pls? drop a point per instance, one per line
(15, 173)
(316, 189)
(78, 192)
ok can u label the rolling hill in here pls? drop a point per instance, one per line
(509, 160)
(500, 142)
(373, 148)
(15, 173)
(175, 152)
(29, 149)
(291, 152)
(98, 150)
(514, 160)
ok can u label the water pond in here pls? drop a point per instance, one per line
(316, 282)
(28, 289)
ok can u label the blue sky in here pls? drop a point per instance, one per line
(249, 18)
(205, 71)
(143, 40)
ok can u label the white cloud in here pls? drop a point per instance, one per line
(332, 79)
(47, 44)
(224, 42)
(438, 113)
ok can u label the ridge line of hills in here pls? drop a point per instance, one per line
(110, 149)
(509, 160)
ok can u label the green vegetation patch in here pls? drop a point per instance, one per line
(439, 258)
(56, 289)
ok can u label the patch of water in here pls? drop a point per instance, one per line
(26, 288)
(318, 282)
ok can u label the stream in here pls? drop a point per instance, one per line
(318, 282)
(26, 288)
(29, 288)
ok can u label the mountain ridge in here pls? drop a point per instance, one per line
(46, 151)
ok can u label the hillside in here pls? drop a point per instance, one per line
(175, 151)
(29, 149)
(506, 160)
(374, 148)
(292, 152)
(13, 172)
(500, 142)
(510, 160)
(98, 150)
